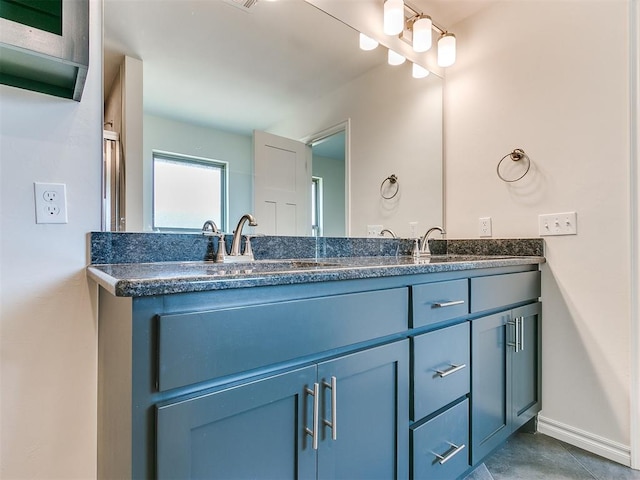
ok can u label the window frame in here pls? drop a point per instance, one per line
(191, 159)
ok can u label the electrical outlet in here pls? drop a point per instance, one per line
(484, 226)
(374, 230)
(51, 202)
(413, 229)
(558, 224)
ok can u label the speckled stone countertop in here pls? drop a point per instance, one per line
(143, 279)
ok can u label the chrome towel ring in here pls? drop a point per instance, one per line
(516, 155)
(393, 186)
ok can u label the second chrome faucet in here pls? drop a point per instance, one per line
(235, 255)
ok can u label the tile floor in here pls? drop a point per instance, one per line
(528, 456)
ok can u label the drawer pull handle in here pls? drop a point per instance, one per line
(313, 432)
(449, 371)
(333, 423)
(455, 449)
(448, 304)
(517, 345)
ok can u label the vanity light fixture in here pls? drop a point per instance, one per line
(394, 58)
(416, 30)
(393, 17)
(446, 49)
(422, 33)
(367, 43)
(418, 71)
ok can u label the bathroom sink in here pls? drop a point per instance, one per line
(267, 266)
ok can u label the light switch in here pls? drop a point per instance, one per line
(558, 224)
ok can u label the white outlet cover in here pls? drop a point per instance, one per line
(484, 226)
(50, 202)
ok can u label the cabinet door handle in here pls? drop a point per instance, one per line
(454, 368)
(447, 304)
(333, 423)
(455, 449)
(516, 344)
(313, 432)
(522, 334)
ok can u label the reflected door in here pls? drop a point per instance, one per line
(282, 184)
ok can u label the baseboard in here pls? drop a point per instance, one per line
(604, 447)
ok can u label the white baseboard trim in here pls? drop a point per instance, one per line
(604, 447)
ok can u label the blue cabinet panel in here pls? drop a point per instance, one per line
(194, 347)
(440, 447)
(436, 302)
(503, 290)
(256, 430)
(526, 372)
(372, 415)
(490, 396)
(441, 369)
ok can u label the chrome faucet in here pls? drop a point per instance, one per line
(235, 255)
(390, 232)
(424, 249)
(210, 228)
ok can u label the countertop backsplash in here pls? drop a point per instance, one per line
(126, 247)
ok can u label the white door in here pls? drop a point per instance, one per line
(282, 185)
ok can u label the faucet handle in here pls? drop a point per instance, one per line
(221, 254)
(248, 251)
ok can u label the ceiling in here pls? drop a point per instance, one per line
(213, 63)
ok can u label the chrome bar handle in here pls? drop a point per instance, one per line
(515, 344)
(333, 424)
(454, 368)
(315, 393)
(445, 458)
(522, 334)
(447, 304)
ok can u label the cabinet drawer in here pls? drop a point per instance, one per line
(195, 347)
(440, 447)
(436, 302)
(441, 362)
(500, 290)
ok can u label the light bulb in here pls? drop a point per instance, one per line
(367, 43)
(419, 71)
(422, 34)
(395, 58)
(447, 50)
(393, 17)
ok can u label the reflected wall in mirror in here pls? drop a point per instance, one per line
(196, 79)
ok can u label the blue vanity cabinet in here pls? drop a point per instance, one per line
(348, 416)
(255, 430)
(506, 377)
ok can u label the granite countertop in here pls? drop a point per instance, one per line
(145, 279)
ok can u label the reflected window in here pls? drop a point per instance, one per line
(187, 191)
(316, 206)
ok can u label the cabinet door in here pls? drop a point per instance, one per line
(255, 430)
(371, 414)
(490, 394)
(526, 365)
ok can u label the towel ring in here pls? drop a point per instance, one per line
(516, 156)
(393, 180)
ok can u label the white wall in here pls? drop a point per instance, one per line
(47, 315)
(552, 78)
(186, 139)
(395, 128)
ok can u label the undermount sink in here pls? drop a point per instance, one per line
(267, 266)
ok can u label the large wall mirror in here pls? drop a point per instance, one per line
(209, 89)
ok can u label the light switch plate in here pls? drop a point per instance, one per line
(558, 224)
(51, 202)
(374, 230)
